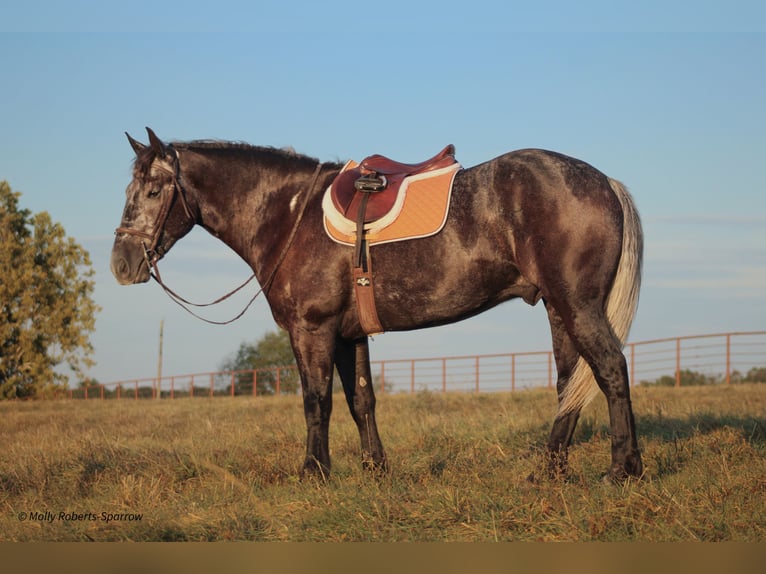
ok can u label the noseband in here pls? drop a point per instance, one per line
(154, 252)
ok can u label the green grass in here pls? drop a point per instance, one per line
(227, 469)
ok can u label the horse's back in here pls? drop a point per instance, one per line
(554, 217)
(511, 221)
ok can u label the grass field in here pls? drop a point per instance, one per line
(227, 469)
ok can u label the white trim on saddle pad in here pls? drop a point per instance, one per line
(348, 226)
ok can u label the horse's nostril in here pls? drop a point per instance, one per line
(121, 268)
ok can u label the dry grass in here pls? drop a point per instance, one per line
(226, 469)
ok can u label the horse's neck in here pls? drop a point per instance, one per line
(251, 208)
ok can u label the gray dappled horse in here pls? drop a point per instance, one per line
(531, 223)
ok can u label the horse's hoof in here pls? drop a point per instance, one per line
(551, 473)
(312, 468)
(376, 467)
(620, 476)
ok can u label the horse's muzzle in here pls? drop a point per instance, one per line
(129, 270)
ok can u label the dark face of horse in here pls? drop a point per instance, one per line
(156, 213)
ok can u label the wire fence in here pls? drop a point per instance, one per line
(722, 358)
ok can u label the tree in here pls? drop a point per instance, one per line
(270, 351)
(688, 378)
(754, 375)
(46, 309)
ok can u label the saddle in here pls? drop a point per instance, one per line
(378, 179)
(366, 193)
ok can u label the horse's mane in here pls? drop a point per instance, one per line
(287, 152)
(144, 160)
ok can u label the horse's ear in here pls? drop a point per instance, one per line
(136, 145)
(156, 143)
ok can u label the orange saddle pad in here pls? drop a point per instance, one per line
(420, 210)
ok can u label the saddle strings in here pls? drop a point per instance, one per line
(181, 302)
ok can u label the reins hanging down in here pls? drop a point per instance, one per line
(152, 255)
(180, 301)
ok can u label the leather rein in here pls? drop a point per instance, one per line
(154, 252)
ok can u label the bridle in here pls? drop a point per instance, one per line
(154, 252)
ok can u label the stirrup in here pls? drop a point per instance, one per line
(371, 183)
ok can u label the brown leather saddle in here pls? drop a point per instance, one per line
(365, 193)
(378, 179)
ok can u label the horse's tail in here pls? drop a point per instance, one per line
(621, 303)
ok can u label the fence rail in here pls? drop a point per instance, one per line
(719, 358)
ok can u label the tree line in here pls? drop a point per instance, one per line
(689, 378)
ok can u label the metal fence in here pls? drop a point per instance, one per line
(723, 358)
(698, 359)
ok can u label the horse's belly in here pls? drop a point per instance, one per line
(417, 300)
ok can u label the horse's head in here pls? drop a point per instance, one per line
(156, 212)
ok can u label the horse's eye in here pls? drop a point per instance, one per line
(154, 192)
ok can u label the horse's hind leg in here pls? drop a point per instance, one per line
(602, 350)
(352, 359)
(566, 356)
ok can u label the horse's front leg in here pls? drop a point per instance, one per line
(352, 358)
(313, 354)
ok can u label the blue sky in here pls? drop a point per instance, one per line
(667, 97)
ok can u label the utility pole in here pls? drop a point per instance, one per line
(159, 362)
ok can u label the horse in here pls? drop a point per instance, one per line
(530, 224)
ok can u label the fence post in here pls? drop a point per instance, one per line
(279, 382)
(728, 359)
(102, 392)
(513, 372)
(550, 370)
(173, 387)
(382, 377)
(477, 373)
(678, 362)
(255, 380)
(633, 364)
(444, 375)
(232, 383)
